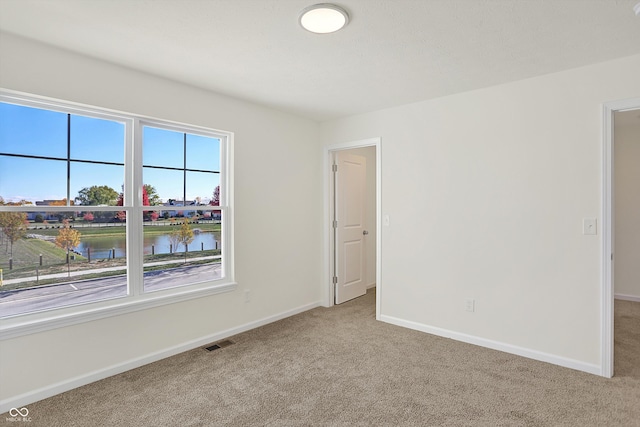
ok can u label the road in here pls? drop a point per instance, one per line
(65, 294)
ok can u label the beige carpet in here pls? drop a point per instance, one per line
(339, 367)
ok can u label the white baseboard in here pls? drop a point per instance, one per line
(627, 297)
(496, 345)
(60, 387)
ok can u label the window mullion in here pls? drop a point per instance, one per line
(133, 202)
(184, 167)
(226, 203)
(224, 165)
(68, 159)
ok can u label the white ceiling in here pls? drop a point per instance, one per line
(392, 52)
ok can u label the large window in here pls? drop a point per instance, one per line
(108, 209)
(185, 169)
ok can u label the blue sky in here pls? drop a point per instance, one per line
(31, 131)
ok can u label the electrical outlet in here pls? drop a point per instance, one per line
(247, 295)
(470, 305)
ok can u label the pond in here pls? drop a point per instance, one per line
(101, 247)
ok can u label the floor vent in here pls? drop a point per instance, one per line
(221, 344)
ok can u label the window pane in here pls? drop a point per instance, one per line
(32, 131)
(58, 259)
(168, 184)
(95, 184)
(33, 180)
(162, 148)
(179, 251)
(201, 187)
(203, 153)
(97, 139)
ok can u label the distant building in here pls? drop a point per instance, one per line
(46, 216)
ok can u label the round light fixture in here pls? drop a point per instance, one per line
(323, 18)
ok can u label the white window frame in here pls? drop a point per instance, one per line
(136, 299)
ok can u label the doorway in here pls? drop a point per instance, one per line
(351, 236)
(614, 141)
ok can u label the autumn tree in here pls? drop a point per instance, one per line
(62, 202)
(122, 215)
(20, 203)
(14, 227)
(153, 199)
(174, 239)
(88, 217)
(97, 195)
(146, 201)
(215, 200)
(183, 235)
(67, 239)
(145, 196)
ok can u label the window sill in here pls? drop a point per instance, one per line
(40, 322)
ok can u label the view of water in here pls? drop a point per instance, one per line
(101, 247)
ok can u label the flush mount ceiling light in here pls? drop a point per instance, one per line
(323, 18)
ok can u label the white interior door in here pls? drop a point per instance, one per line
(349, 225)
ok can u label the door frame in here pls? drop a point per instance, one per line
(608, 230)
(328, 299)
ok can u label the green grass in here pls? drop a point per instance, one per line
(206, 227)
(32, 248)
(26, 259)
(104, 230)
(26, 255)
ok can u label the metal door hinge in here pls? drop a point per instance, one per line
(335, 280)
(335, 168)
(335, 223)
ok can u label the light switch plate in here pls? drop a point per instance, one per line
(589, 226)
(470, 305)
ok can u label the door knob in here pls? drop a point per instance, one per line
(365, 232)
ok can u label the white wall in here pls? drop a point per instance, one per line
(369, 153)
(486, 192)
(627, 205)
(270, 148)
